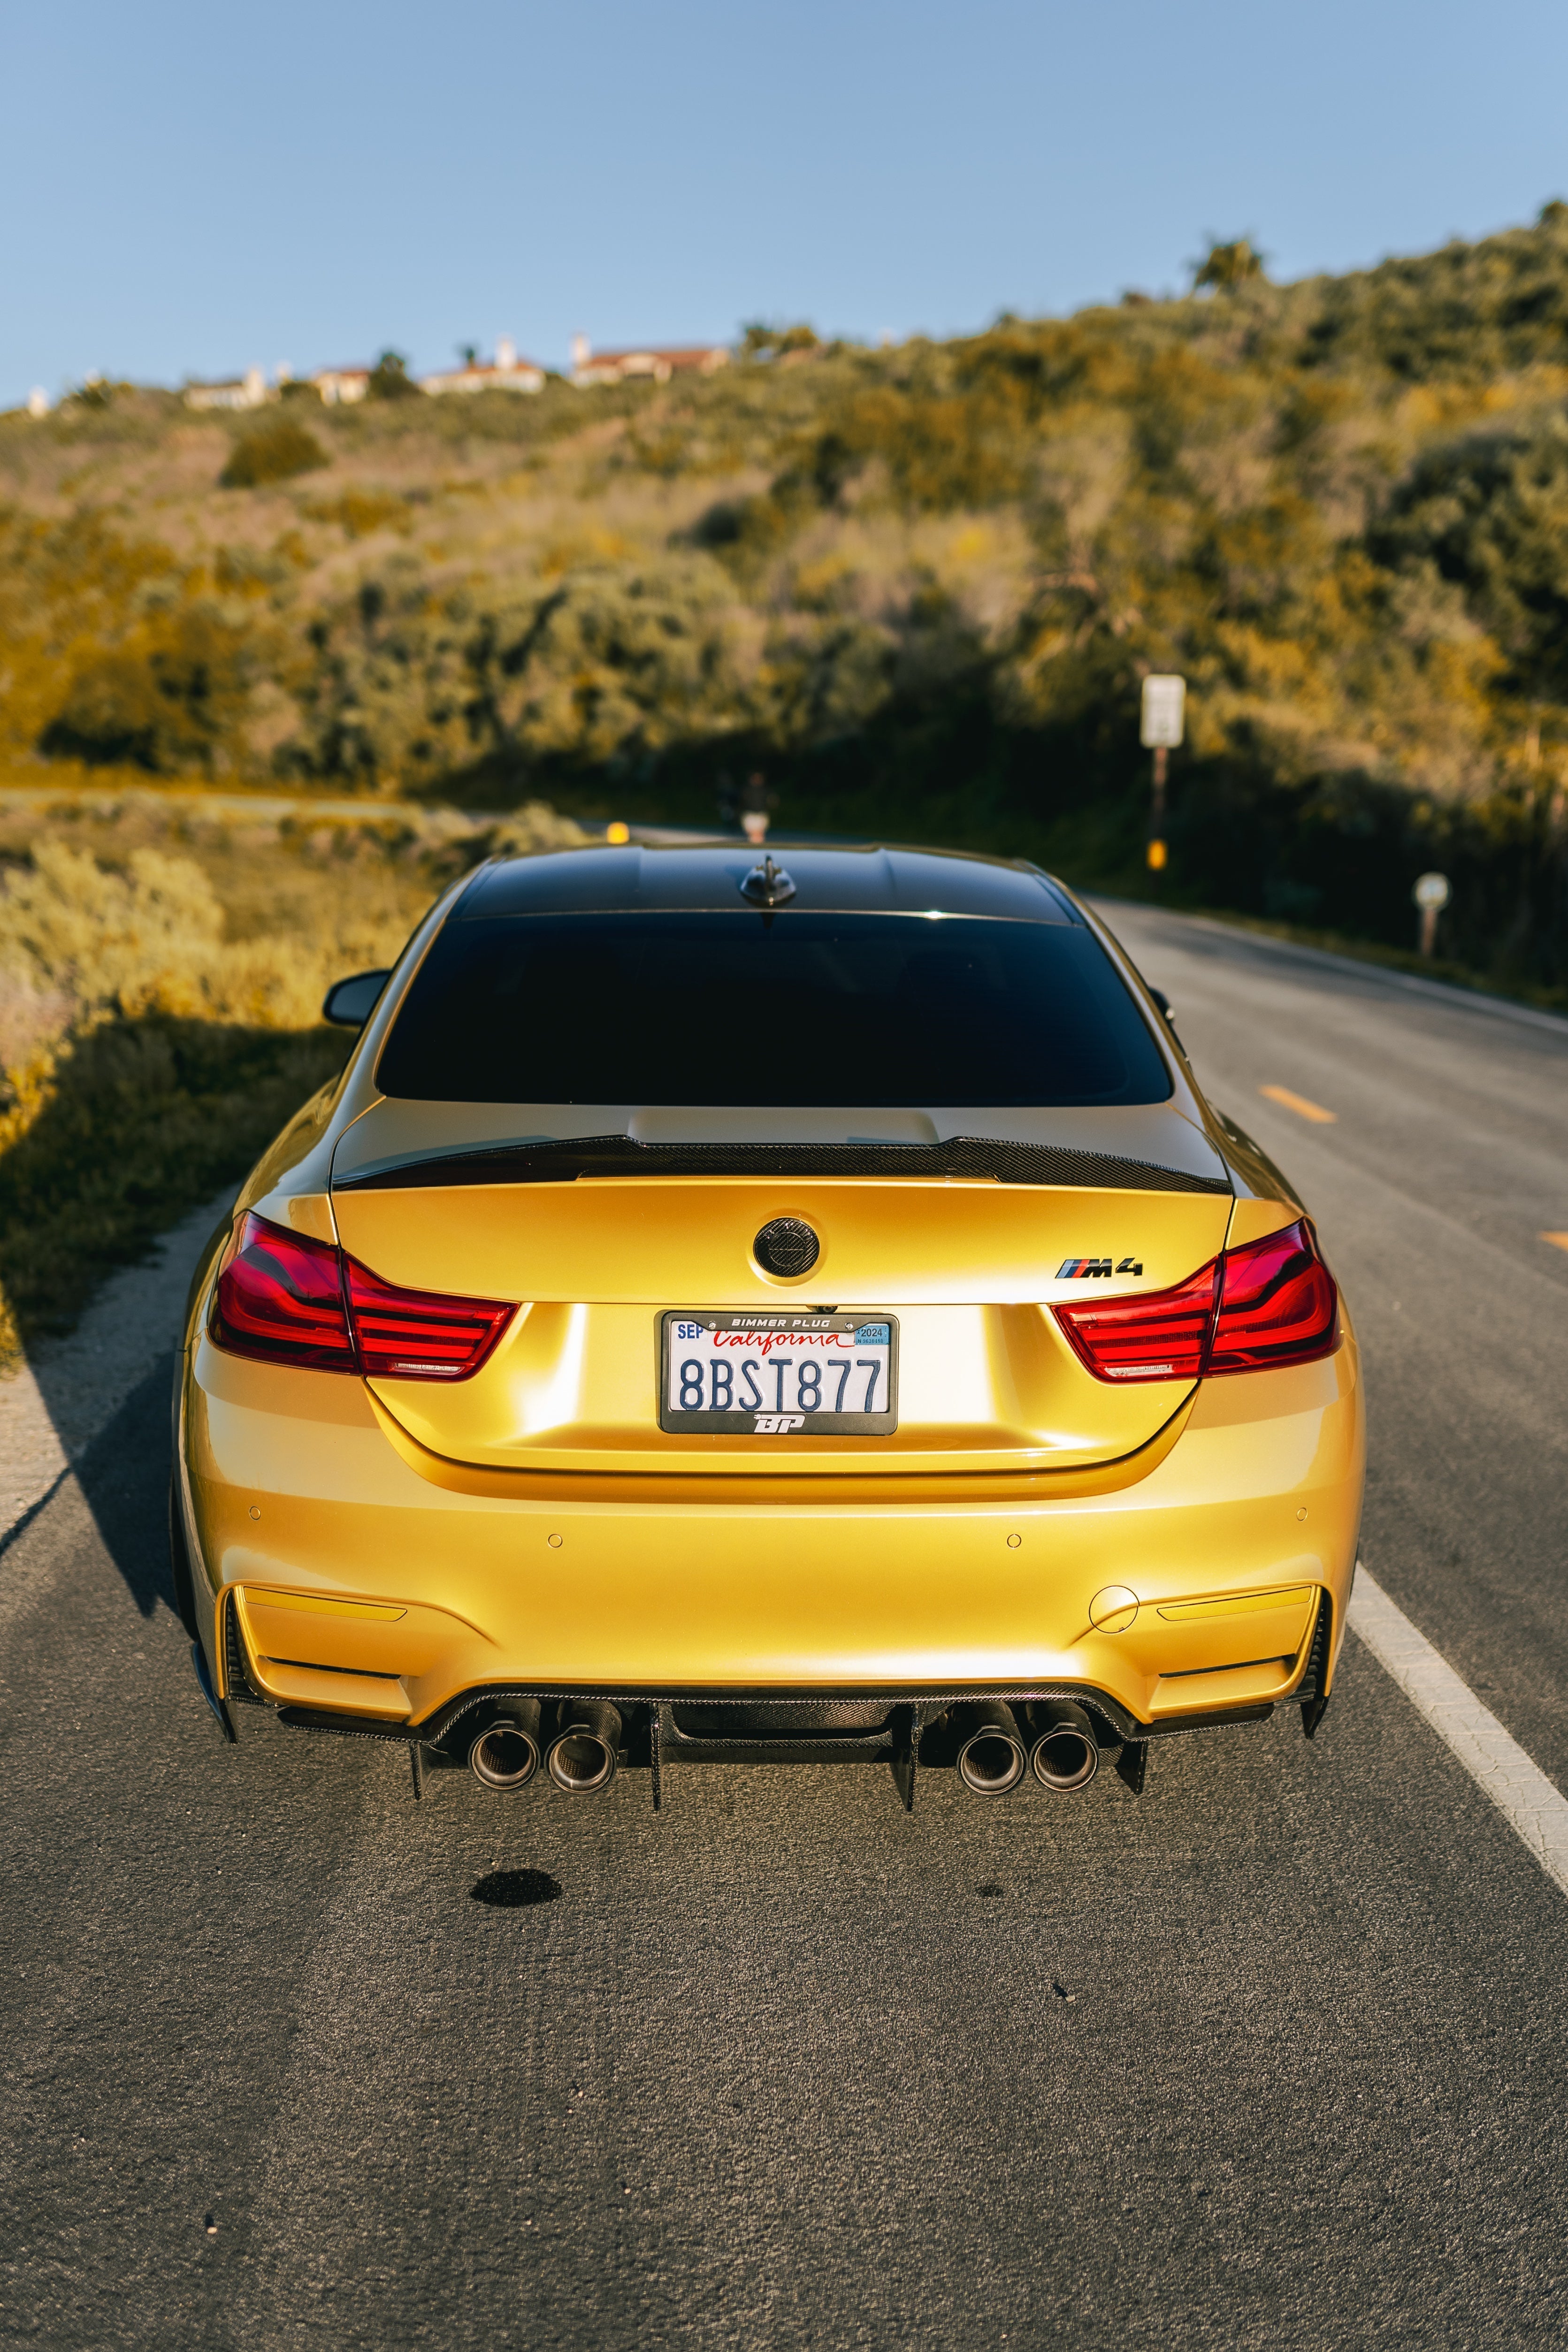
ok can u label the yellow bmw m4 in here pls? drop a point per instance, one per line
(728, 1311)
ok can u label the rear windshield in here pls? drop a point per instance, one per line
(789, 1009)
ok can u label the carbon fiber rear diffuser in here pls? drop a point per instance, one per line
(654, 1740)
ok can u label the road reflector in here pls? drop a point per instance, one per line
(1301, 1106)
(1558, 1241)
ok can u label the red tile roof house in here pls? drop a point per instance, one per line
(336, 385)
(505, 372)
(248, 391)
(341, 387)
(589, 366)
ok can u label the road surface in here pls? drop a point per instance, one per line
(1276, 2054)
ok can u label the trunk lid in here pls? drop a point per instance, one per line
(966, 1263)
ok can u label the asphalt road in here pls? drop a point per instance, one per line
(1273, 2055)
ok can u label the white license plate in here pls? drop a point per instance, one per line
(779, 1375)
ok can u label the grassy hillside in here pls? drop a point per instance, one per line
(917, 586)
(163, 961)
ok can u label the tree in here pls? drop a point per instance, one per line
(390, 379)
(1228, 264)
(761, 341)
(1488, 511)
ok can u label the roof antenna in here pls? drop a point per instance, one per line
(768, 885)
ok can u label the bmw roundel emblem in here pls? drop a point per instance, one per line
(787, 1247)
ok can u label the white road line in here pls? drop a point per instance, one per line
(1497, 1763)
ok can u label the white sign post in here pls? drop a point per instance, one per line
(1431, 893)
(1163, 717)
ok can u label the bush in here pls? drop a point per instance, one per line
(1491, 512)
(155, 1031)
(616, 661)
(274, 452)
(137, 1123)
(167, 697)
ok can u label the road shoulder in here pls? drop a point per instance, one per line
(55, 1404)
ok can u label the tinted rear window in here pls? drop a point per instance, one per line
(796, 1009)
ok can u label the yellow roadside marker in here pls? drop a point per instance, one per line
(1558, 1241)
(1301, 1106)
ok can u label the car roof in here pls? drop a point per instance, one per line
(707, 878)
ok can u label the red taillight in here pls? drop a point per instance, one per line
(1269, 1302)
(1160, 1336)
(281, 1296)
(1278, 1303)
(287, 1299)
(420, 1335)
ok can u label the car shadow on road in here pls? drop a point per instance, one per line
(124, 1479)
(92, 1408)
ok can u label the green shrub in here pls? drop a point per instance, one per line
(1489, 512)
(141, 1121)
(273, 452)
(158, 1026)
(167, 698)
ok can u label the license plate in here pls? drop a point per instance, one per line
(781, 1376)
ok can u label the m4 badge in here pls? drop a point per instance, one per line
(1080, 1269)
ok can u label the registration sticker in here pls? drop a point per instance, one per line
(778, 1376)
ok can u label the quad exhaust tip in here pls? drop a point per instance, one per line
(1064, 1754)
(505, 1753)
(1055, 1737)
(992, 1760)
(582, 1758)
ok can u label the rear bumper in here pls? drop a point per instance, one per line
(656, 1729)
(904, 1733)
(366, 1581)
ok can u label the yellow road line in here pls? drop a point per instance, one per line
(1301, 1106)
(1558, 1241)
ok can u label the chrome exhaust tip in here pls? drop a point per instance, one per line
(1063, 1750)
(991, 1762)
(505, 1753)
(582, 1756)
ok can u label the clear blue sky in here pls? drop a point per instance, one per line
(189, 190)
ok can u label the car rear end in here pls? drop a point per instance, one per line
(732, 1313)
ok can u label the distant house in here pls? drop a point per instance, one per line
(505, 372)
(246, 391)
(340, 387)
(589, 366)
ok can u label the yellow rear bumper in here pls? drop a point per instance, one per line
(371, 1578)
